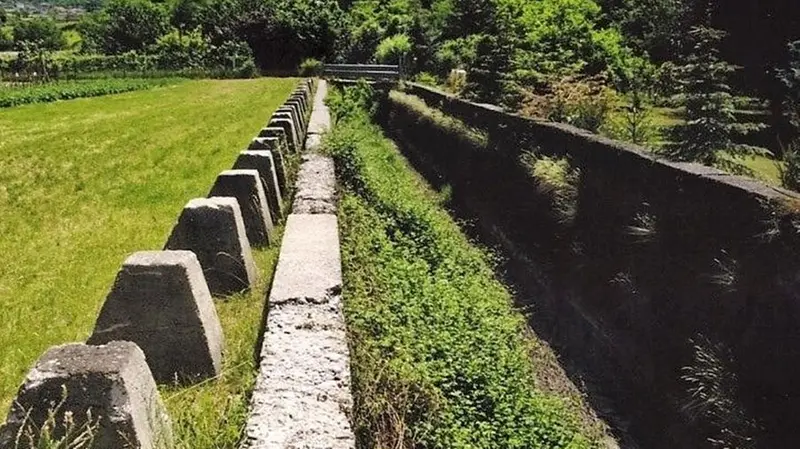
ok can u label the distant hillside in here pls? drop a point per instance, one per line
(42, 7)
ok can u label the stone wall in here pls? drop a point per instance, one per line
(641, 265)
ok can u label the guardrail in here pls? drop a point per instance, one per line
(370, 72)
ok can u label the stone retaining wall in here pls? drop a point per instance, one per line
(637, 266)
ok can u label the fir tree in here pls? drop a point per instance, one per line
(706, 136)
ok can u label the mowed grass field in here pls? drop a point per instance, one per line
(84, 183)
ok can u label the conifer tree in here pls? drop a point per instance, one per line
(706, 136)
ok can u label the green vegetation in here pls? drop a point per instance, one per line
(89, 181)
(439, 358)
(706, 134)
(68, 90)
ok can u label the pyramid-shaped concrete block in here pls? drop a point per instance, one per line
(299, 104)
(303, 102)
(275, 146)
(246, 187)
(286, 115)
(265, 164)
(303, 94)
(279, 132)
(289, 112)
(161, 302)
(213, 229)
(288, 128)
(295, 109)
(107, 390)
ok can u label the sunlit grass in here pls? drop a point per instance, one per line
(86, 182)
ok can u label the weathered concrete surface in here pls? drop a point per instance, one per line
(289, 113)
(288, 128)
(277, 131)
(275, 145)
(302, 394)
(246, 187)
(320, 120)
(263, 161)
(294, 109)
(161, 302)
(213, 229)
(316, 186)
(303, 101)
(298, 103)
(108, 387)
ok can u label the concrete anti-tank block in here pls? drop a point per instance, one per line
(288, 128)
(295, 109)
(303, 102)
(109, 392)
(213, 229)
(288, 112)
(299, 104)
(265, 164)
(278, 132)
(304, 96)
(245, 186)
(273, 145)
(284, 115)
(161, 302)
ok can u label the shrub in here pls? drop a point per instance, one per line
(457, 81)
(176, 50)
(393, 49)
(632, 123)
(582, 102)
(68, 90)
(41, 31)
(427, 79)
(352, 101)
(311, 67)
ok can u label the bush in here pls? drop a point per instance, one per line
(311, 67)
(352, 101)
(68, 90)
(633, 123)
(392, 49)
(582, 102)
(426, 79)
(176, 50)
(41, 31)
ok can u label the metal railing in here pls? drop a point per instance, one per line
(370, 72)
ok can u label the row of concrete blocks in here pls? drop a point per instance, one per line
(159, 323)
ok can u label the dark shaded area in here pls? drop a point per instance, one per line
(657, 257)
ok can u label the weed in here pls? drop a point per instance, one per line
(712, 388)
(60, 430)
(556, 179)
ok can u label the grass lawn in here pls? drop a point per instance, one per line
(86, 182)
